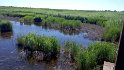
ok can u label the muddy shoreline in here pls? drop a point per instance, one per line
(92, 31)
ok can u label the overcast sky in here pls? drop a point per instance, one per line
(67, 4)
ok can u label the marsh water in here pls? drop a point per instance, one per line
(11, 57)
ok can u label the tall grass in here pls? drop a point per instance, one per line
(72, 48)
(28, 19)
(93, 56)
(71, 18)
(73, 24)
(48, 45)
(5, 26)
(103, 51)
(113, 29)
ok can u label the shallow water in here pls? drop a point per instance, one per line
(10, 55)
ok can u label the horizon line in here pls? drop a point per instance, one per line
(64, 9)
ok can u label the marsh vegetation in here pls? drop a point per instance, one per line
(49, 33)
(5, 26)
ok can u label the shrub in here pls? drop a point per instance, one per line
(37, 19)
(5, 26)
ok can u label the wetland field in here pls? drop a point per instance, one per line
(57, 39)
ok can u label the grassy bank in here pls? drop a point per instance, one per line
(84, 58)
(70, 19)
(48, 45)
(92, 57)
(54, 22)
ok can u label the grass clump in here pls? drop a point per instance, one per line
(72, 48)
(103, 51)
(96, 54)
(48, 45)
(85, 60)
(113, 29)
(71, 24)
(5, 26)
(27, 19)
(63, 23)
(93, 56)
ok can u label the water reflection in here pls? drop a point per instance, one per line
(62, 35)
(18, 58)
(6, 35)
(36, 57)
(64, 31)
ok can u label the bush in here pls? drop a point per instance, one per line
(5, 26)
(37, 19)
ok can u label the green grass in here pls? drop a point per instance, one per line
(5, 26)
(73, 24)
(48, 45)
(93, 56)
(113, 29)
(72, 48)
(86, 59)
(49, 21)
(103, 51)
(27, 19)
(111, 21)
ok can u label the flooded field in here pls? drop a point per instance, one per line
(13, 58)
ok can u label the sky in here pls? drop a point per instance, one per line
(68, 4)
